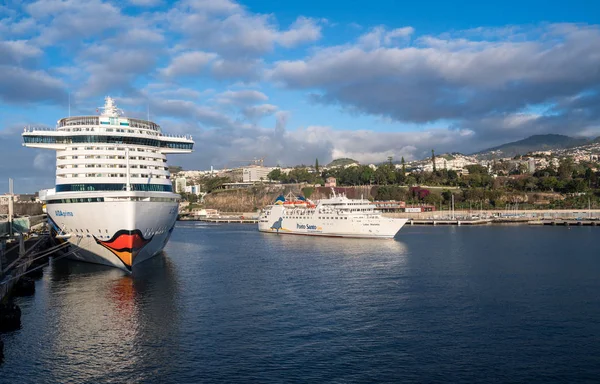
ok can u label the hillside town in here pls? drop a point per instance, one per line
(553, 178)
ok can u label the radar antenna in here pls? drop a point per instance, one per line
(110, 108)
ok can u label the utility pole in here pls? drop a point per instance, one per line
(10, 207)
(453, 206)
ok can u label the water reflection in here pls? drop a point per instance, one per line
(392, 251)
(104, 320)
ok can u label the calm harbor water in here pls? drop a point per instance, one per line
(228, 304)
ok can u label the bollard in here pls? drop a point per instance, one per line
(10, 317)
(24, 287)
(35, 273)
(21, 245)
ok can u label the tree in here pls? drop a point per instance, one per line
(275, 174)
(565, 169)
(317, 165)
(433, 160)
(403, 166)
(212, 183)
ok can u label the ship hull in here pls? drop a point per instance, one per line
(365, 228)
(346, 235)
(120, 234)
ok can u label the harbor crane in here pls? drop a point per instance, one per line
(260, 161)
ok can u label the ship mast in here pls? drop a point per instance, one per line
(128, 185)
(110, 108)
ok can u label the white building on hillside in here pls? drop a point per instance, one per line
(255, 174)
(455, 164)
(180, 184)
(193, 189)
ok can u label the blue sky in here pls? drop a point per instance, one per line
(293, 81)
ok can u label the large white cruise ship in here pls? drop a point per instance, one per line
(113, 200)
(337, 216)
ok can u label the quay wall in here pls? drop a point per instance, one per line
(23, 209)
(543, 213)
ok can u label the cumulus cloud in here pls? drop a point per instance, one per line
(19, 85)
(303, 30)
(114, 69)
(256, 112)
(145, 3)
(231, 31)
(236, 69)
(379, 36)
(188, 63)
(21, 167)
(17, 51)
(242, 97)
(456, 80)
(73, 20)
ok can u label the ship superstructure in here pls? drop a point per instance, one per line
(113, 200)
(337, 216)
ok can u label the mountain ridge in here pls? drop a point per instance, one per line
(537, 143)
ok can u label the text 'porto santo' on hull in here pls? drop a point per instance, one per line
(113, 201)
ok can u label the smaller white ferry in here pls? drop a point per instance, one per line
(337, 216)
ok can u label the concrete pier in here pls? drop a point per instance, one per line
(449, 222)
(225, 220)
(17, 260)
(567, 223)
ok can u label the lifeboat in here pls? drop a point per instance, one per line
(301, 204)
(289, 204)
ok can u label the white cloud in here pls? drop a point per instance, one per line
(379, 36)
(73, 20)
(242, 97)
(188, 63)
(244, 69)
(398, 33)
(145, 3)
(19, 85)
(303, 30)
(437, 82)
(257, 112)
(16, 51)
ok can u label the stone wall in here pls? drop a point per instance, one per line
(23, 209)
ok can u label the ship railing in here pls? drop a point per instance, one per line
(188, 137)
(32, 128)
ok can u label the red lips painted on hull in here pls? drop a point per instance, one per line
(126, 245)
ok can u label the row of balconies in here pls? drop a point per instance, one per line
(106, 148)
(110, 130)
(109, 163)
(95, 165)
(64, 171)
(144, 176)
(158, 159)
